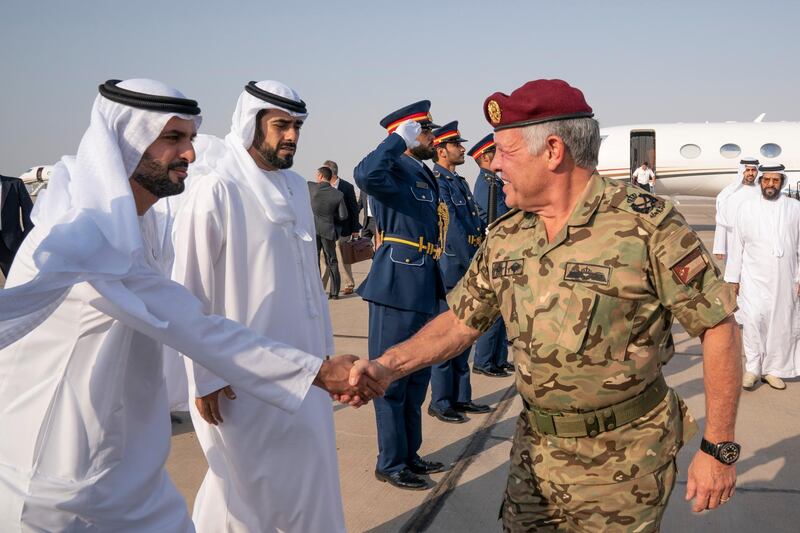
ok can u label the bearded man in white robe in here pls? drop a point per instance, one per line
(728, 201)
(763, 263)
(245, 246)
(82, 395)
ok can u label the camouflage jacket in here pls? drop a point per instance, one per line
(589, 314)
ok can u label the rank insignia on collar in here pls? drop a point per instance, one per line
(512, 267)
(646, 204)
(587, 273)
(691, 266)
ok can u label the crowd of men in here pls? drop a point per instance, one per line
(758, 238)
(226, 272)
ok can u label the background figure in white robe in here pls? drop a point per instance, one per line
(82, 396)
(763, 261)
(245, 245)
(728, 201)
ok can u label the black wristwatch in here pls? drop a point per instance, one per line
(726, 452)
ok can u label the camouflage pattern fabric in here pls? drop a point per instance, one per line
(534, 504)
(589, 317)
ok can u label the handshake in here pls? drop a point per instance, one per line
(353, 381)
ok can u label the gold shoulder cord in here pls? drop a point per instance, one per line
(444, 221)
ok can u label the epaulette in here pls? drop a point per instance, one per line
(648, 207)
(505, 216)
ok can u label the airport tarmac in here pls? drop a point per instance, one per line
(467, 497)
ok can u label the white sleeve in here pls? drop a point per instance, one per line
(720, 240)
(733, 260)
(274, 372)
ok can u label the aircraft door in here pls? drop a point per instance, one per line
(643, 148)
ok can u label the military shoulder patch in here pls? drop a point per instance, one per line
(504, 217)
(510, 267)
(645, 205)
(587, 273)
(691, 266)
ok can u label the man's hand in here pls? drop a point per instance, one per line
(720, 257)
(334, 377)
(354, 235)
(364, 371)
(736, 288)
(208, 405)
(710, 482)
(409, 130)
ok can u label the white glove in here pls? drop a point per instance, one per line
(409, 130)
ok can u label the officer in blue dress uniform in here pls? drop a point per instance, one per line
(404, 287)
(451, 393)
(491, 350)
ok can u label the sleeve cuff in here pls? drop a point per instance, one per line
(707, 309)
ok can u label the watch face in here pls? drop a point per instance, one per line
(729, 453)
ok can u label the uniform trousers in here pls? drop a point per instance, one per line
(491, 350)
(398, 413)
(450, 380)
(531, 503)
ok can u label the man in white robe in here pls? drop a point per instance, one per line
(728, 201)
(82, 396)
(245, 246)
(763, 263)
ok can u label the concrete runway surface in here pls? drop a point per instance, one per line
(467, 497)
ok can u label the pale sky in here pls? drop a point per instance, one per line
(355, 61)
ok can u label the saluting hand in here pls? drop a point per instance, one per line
(409, 130)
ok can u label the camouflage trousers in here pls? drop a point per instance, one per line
(534, 504)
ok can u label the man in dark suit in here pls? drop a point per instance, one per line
(15, 219)
(368, 224)
(346, 229)
(329, 210)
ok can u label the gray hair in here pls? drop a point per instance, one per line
(332, 165)
(581, 136)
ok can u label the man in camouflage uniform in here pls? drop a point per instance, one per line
(587, 274)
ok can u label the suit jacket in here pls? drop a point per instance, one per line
(405, 200)
(16, 206)
(329, 208)
(350, 225)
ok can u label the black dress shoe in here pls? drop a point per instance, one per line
(404, 479)
(422, 467)
(471, 407)
(507, 366)
(448, 415)
(492, 372)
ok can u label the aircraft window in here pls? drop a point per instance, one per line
(730, 150)
(770, 150)
(690, 151)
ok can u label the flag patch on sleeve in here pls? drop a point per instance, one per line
(691, 266)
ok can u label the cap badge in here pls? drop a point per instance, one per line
(493, 108)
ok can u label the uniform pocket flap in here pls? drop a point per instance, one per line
(677, 246)
(406, 255)
(423, 195)
(577, 316)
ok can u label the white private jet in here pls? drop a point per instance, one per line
(36, 178)
(699, 159)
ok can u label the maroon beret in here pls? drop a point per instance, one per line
(535, 102)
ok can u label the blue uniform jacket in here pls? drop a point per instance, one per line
(405, 200)
(482, 196)
(464, 228)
